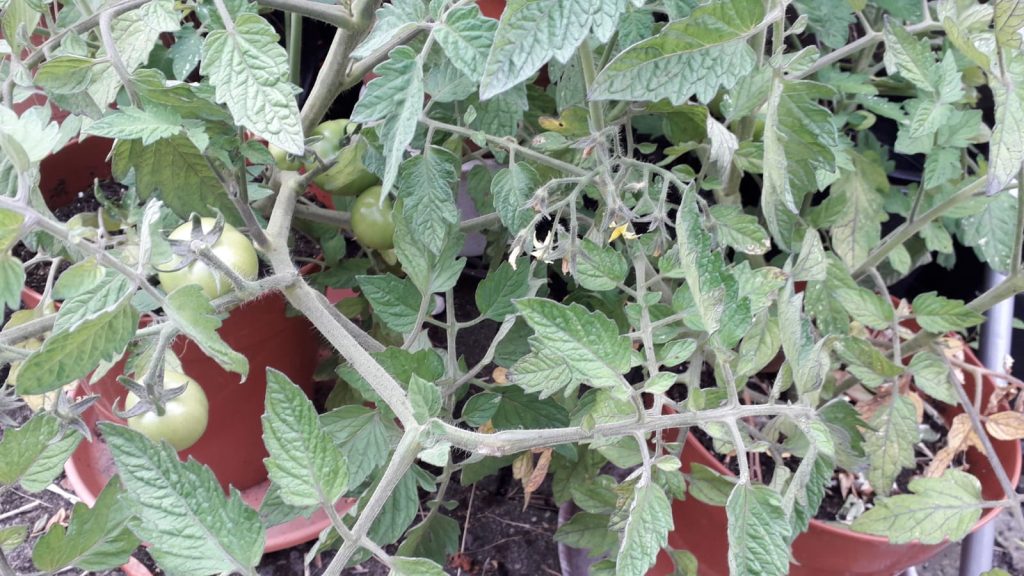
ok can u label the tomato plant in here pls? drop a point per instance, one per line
(647, 218)
(184, 417)
(232, 248)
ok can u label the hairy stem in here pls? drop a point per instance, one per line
(513, 441)
(907, 230)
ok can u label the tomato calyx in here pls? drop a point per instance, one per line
(188, 251)
(70, 414)
(152, 398)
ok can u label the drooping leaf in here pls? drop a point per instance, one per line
(249, 70)
(931, 376)
(425, 187)
(758, 532)
(190, 309)
(859, 228)
(392, 20)
(511, 189)
(304, 462)
(183, 514)
(890, 445)
(940, 508)
(395, 96)
(650, 521)
(588, 531)
(432, 273)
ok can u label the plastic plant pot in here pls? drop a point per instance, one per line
(828, 547)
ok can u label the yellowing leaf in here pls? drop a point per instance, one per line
(1007, 425)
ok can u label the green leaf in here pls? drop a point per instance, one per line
(435, 538)
(600, 267)
(190, 309)
(760, 346)
(20, 15)
(466, 37)
(480, 407)
(1009, 19)
(186, 52)
(511, 189)
(425, 398)
(363, 437)
(812, 264)
(589, 342)
(12, 536)
(395, 96)
(589, 532)
(34, 454)
(543, 373)
(860, 352)
(866, 307)
(695, 56)
(502, 114)
(10, 227)
(12, 280)
(650, 521)
(859, 227)
(939, 314)
(496, 292)
(65, 74)
(96, 539)
(890, 443)
(415, 567)
(739, 230)
(1007, 146)
(100, 299)
(709, 486)
(77, 279)
(148, 125)
(425, 187)
(190, 525)
(940, 508)
(517, 411)
(68, 356)
(829, 20)
(931, 376)
(800, 141)
(758, 532)
(304, 463)
(392, 20)
(249, 71)
(531, 32)
(430, 272)
(991, 231)
(395, 300)
(909, 56)
(398, 512)
(175, 170)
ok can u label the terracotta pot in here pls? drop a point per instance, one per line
(827, 548)
(259, 329)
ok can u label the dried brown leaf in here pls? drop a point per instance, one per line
(1008, 425)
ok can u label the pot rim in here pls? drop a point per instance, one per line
(1013, 471)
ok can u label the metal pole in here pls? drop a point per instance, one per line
(996, 335)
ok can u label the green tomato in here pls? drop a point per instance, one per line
(185, 417)
(348, 176)
(284, 160)
(233, 248)
(372, 223)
